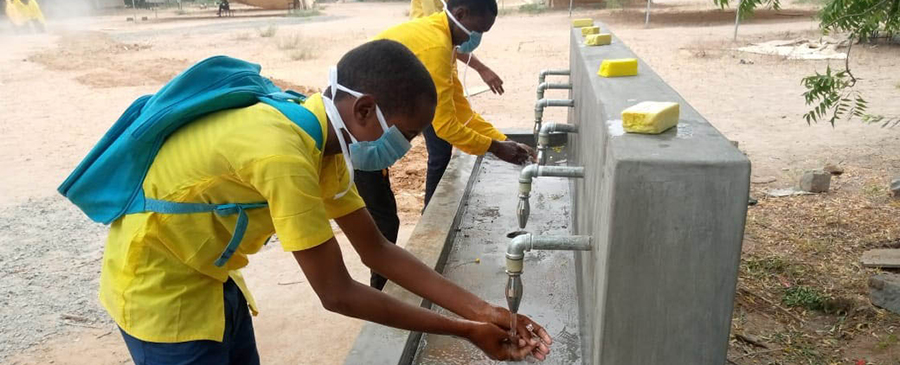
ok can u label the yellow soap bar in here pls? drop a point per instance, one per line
(650, 117)
(590, 30)
(583, 22)
(601, 39)
(618, 67)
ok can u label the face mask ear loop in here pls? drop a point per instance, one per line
(453, 18)
(381, 120)
(338, 124)
(465, 76)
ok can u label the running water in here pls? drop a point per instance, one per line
(512, 326)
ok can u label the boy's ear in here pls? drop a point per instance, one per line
(364, 109)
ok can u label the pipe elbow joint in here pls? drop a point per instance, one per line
(527, 175)
(518, 246)
(553, 127)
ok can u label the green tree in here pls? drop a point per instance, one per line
(833, 95)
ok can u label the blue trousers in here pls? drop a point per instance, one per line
(238, 346)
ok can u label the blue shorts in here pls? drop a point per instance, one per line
(238, 346)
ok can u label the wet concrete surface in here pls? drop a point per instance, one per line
(476, 261)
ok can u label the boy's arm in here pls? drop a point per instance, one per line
(489, 76)
(324, 267)
(403, 268)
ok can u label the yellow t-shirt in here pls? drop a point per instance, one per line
(158, 280)
(20, 13)
(454, 121)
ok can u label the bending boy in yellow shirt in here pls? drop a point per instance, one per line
(438, 40)
(174, 306)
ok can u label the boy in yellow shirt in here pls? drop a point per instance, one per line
(174, 306)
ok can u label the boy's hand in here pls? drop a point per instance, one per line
(492, 80)
(497, 343)
(526, 330)
(512, 152)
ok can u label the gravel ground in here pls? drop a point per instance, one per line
(50, 259)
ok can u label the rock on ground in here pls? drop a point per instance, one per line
(884, 291)
(833, 169)
(815, 181)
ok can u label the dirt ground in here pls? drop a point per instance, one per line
(60, 91)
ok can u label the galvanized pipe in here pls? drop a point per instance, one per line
(515, 258)
(523, 210)
(544, 86)
(539, 111)
(544, 73)
(544, 137)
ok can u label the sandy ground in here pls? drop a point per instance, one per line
(59, 92)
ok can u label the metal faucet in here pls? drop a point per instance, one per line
(539, 111)
(527, 176)
(515, 258)
(544, 137)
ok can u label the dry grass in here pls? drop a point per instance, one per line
(297, 47)
(802, 289)
(242, 36)
(268, 32)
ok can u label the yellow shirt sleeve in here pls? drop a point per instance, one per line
(423, 8)
(453, 111)
(469, 117)
(290, 184)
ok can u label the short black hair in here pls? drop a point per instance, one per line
(477, 7)
(392, 74)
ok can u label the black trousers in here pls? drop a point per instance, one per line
(439, 153)
(375, 189)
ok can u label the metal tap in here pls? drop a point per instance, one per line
(527, 176)
(515, 259)
(539, 111)
(544, 137)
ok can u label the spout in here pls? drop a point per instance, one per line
(544, 86)
(523, 210)
(544, 137)
(514, 291)
(527, 176)
(544, 73)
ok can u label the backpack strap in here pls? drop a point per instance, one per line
(240, 228)
(284, 102)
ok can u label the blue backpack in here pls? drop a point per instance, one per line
(108, 183)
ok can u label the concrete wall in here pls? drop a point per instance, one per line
(667, 216)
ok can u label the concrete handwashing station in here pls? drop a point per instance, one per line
(633, 240)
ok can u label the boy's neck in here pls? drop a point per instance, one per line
(332, 144)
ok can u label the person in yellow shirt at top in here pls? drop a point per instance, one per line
(438, 40)
(175, 307)
(25, 14)
(423, 8)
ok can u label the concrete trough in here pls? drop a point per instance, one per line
(666, 214)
